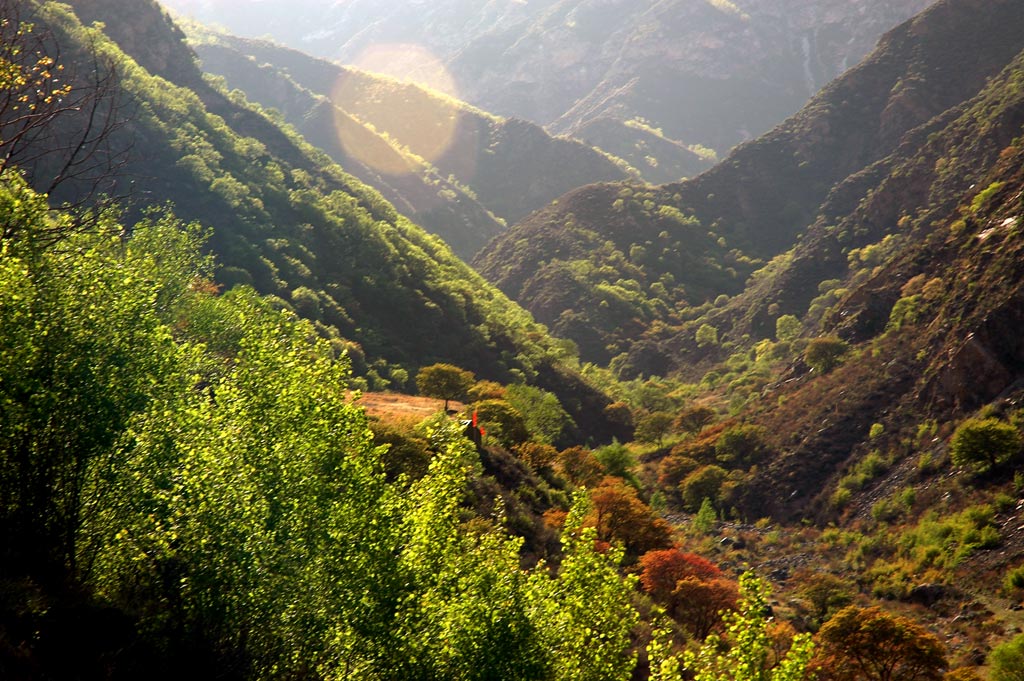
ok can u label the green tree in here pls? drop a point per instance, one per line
(616, 459)
(706, 335)
(466, 612)
(984, 443)
(740, 446)
(444, 381)
(654, 427)
(744, 653)
(543, 413)
(706, 517)
(586, 611)
(703, 483)
(787, 328)
(502, 421)
(825, 353)
(85, 347)
(1006, 661)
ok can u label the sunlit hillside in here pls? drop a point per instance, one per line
(308, 371)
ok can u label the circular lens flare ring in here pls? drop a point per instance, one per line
(409, 118)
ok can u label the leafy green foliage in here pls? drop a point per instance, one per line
(703, 483)
(444, 381)
(1014, 579)
(706, 336)
(745, 652)
(502, 421)
(587, 612)
(616, 459)
(740, 446)
(706, 517)
(982, 444)
(193, 458)
(1006, 661)
(942, 540)
(787, 328)
(82, 331)
(825, 354)
(296, 226)
(542, 412)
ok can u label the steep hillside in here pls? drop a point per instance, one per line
(710, 73)
(657, 158)
(295, 226)
(512, 167)
(749, 208)
(930, 269)
(407, 181)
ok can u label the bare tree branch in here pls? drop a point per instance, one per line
(59, 122)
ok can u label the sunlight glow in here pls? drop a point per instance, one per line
(421, 127)
(410, 62)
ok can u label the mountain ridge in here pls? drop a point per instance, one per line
(293, 225)
(767, 191)
(510, 166)
(708, 74)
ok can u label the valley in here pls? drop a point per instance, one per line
(310, 371)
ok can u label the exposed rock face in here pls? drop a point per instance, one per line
(713, 73)
(982, 365)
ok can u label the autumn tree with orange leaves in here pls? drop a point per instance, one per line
(619, 516)
(869, 644)
(691, 589)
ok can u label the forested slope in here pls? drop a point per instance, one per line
(187, 486)
(635, 257)
(513, 167)
(409, 182)
(288, 221)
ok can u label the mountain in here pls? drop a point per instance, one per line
(930, 295)
(887, 311)
(708, 73)
(660, 159)
(510, 166)
(408, 182)
(608, 262)
(818, 341)
(291, 223)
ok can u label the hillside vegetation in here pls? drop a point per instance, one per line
(257, 423)
(510, 166)
(636, 257)
(708, 73)
(295, 226)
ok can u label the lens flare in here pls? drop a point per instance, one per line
(420, 122)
